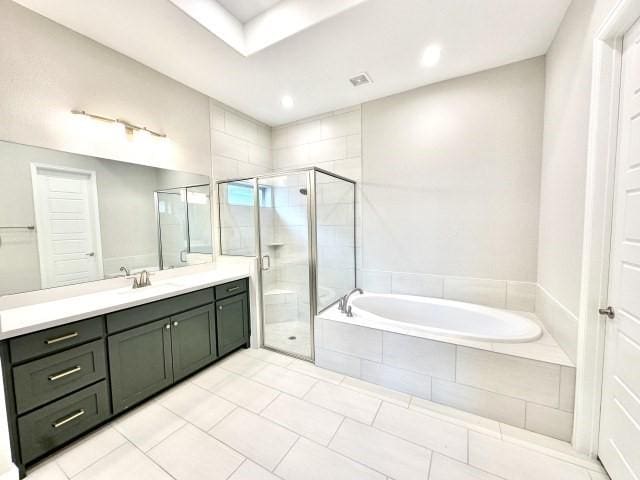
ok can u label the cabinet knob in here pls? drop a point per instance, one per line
(167, 326)
(220, 307)
(175, 324)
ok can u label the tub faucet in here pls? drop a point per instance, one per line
(344, 301)
(125, 270)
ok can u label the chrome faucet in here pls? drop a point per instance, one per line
(344, 306)
(125, 270)
(142, 281)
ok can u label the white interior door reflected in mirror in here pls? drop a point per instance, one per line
(67, 225)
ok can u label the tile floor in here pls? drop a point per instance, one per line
(278, 335)
(258, 415)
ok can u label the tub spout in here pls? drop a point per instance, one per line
(344, 304)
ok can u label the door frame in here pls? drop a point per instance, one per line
(596, 247)
(93, 199)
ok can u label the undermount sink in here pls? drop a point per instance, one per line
(162, 287)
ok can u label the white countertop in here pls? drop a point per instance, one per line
(40, 316)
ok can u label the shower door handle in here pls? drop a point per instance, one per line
(266, 262)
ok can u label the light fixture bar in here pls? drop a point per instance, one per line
(128, 126)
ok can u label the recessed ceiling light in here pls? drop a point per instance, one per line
(431, 56)
(287, 101)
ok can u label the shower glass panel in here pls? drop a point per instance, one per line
(284, 250)
(199, 220)
(172, 220)
(184, 226)
(305, 222)
(335, 227)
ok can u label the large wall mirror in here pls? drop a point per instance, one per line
(68, 218)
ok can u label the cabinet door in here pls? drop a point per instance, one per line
(232, 318)
(193, 340)
(140, 363)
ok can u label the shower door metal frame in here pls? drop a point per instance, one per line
(312, 244)
(186, 200)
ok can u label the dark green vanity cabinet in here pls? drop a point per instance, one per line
(231, 332)
(140, 363)
(65, 381)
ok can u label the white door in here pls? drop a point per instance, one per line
(619, 445)
(65, 202)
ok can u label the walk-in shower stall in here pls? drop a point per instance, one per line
(301, 224)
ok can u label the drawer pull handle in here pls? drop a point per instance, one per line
(64, 421)
(58, 376)
(233, 289)
(61, 339)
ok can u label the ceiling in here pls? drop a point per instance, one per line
(385, 38)
(245, 10)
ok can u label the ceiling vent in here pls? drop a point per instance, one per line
(361, 79)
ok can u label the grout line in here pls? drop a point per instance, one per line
(237, 468)
(285, 455)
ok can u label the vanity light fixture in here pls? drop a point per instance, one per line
(129, 127)
(431, 55)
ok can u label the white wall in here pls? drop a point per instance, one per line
(47, 70)
(566, 119)
(451, 187)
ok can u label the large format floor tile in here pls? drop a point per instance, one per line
(48, 471)
(124, 463)
(311, 421)
(445, 468)
(190, 454)
(244, 392)
(261, 440)
(310, 461)
(196, 405)
(288, 381)
(514, 462)
(242, 364)
(269, 356)
(424, 430)
(391, 455)
(89, 450)
(148, 425)
(252, 471)
(340, 429)
(344, 401)
(316, 372)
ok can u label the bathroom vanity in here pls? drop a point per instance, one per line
(63, 381)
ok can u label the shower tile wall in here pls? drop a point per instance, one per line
(332, 142)
(240, 148)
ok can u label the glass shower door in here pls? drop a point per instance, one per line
(284, 251)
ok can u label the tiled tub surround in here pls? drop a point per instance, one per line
(527, 385)
(512, 295)
(509, 294)
(260, 415)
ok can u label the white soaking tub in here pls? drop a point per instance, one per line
(426, 317)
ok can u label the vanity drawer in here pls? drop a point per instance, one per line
(51, 426)
(231, 288)
(55, 339)
(136, 316)
(41, 381)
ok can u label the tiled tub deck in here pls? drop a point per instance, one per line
(528, 385)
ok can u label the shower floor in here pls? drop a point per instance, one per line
(279, 336)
